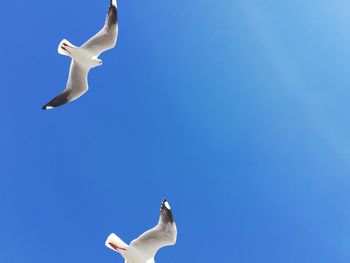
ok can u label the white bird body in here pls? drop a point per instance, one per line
(80, 55)
(85, 58)
(144, 248)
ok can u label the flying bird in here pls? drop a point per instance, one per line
(85, 58)
(144, 248)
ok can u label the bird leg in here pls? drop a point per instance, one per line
(116, 247)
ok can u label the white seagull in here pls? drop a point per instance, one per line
(85, 58)
(144, 248)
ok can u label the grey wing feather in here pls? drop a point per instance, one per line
(77, 85)
(163, 234)
(107, 37)
(77, 79)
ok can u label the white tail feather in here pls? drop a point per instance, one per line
(61, 47)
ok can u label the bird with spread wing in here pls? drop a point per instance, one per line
(85, 58)
(144, 248)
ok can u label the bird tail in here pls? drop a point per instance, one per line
(64, 47)
(115, 243)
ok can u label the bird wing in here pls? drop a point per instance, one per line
(77, 85)
(107, 37)
(163, 234)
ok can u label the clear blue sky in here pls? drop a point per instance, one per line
(236, 111)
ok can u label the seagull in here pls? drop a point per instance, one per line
(85, 58)
(144, 248)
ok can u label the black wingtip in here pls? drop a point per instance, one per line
(163, 204)
(165, 212)
(111, 3)
(112, 16)
(49, 106)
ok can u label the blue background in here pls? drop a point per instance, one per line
(236, 111)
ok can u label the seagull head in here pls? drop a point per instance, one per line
(95, 62)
